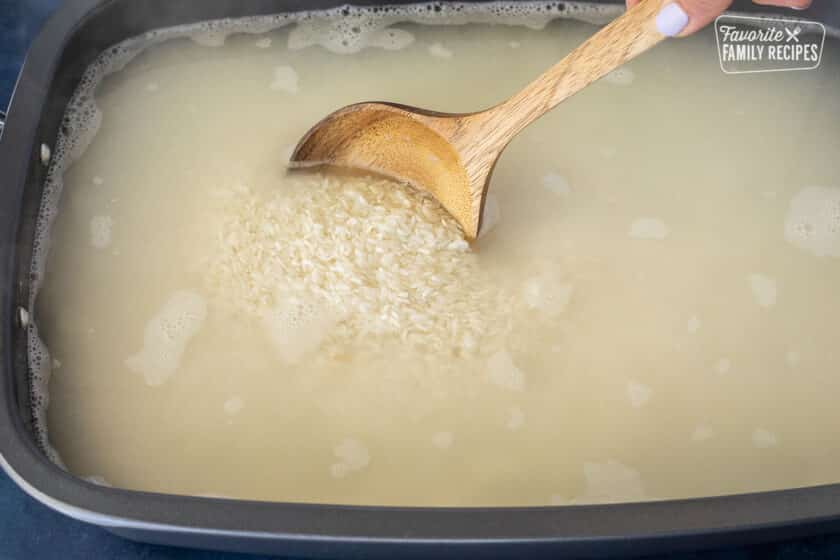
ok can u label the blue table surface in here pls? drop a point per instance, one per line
(31, 530)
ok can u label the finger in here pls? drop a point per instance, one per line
(795, 4)
(684, 17)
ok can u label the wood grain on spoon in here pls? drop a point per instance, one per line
(452, 156)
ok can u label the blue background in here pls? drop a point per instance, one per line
(30, 530)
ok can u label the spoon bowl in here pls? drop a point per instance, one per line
(400, 142)
(452, 155)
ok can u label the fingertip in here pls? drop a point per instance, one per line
(671, 20)
(700, 14)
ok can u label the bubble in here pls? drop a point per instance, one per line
(99, 480)
(763, 438)
(611, 481)
(350, 29)
(559, 500)
(343, 35)
(503, 373)
(391, 39)
(764, 290)
(443, 440)
(39, 376)
(285, 79)
(638, 393)
(339, 470)
(233, 405)
(352, 456)
(648, 228)
(468, 343)
(723, 365)
(620, 77)
(215, 496)
(702, 432)
(547, 294)
(439, 51)
(812, 223)
(209, 38)
(516, 418)
(693, 324)
(46, 154)
(166, 336)
(100, 231)
(556, 184)
(608, 152)
(297, 327)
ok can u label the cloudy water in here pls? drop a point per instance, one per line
(650, 313)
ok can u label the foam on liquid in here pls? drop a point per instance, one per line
(634, 321)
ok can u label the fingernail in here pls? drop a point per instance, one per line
(671, 20)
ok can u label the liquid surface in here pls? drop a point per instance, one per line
(651, 312)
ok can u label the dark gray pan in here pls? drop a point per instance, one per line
(68, 43)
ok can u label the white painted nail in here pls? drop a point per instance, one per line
(671, 19)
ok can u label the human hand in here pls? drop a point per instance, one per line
(684, 17)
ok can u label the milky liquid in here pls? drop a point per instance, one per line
(657, 308)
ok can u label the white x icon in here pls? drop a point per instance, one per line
(793, 35)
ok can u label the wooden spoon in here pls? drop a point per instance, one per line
(452, 156)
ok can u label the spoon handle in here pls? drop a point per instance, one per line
(627, 36)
